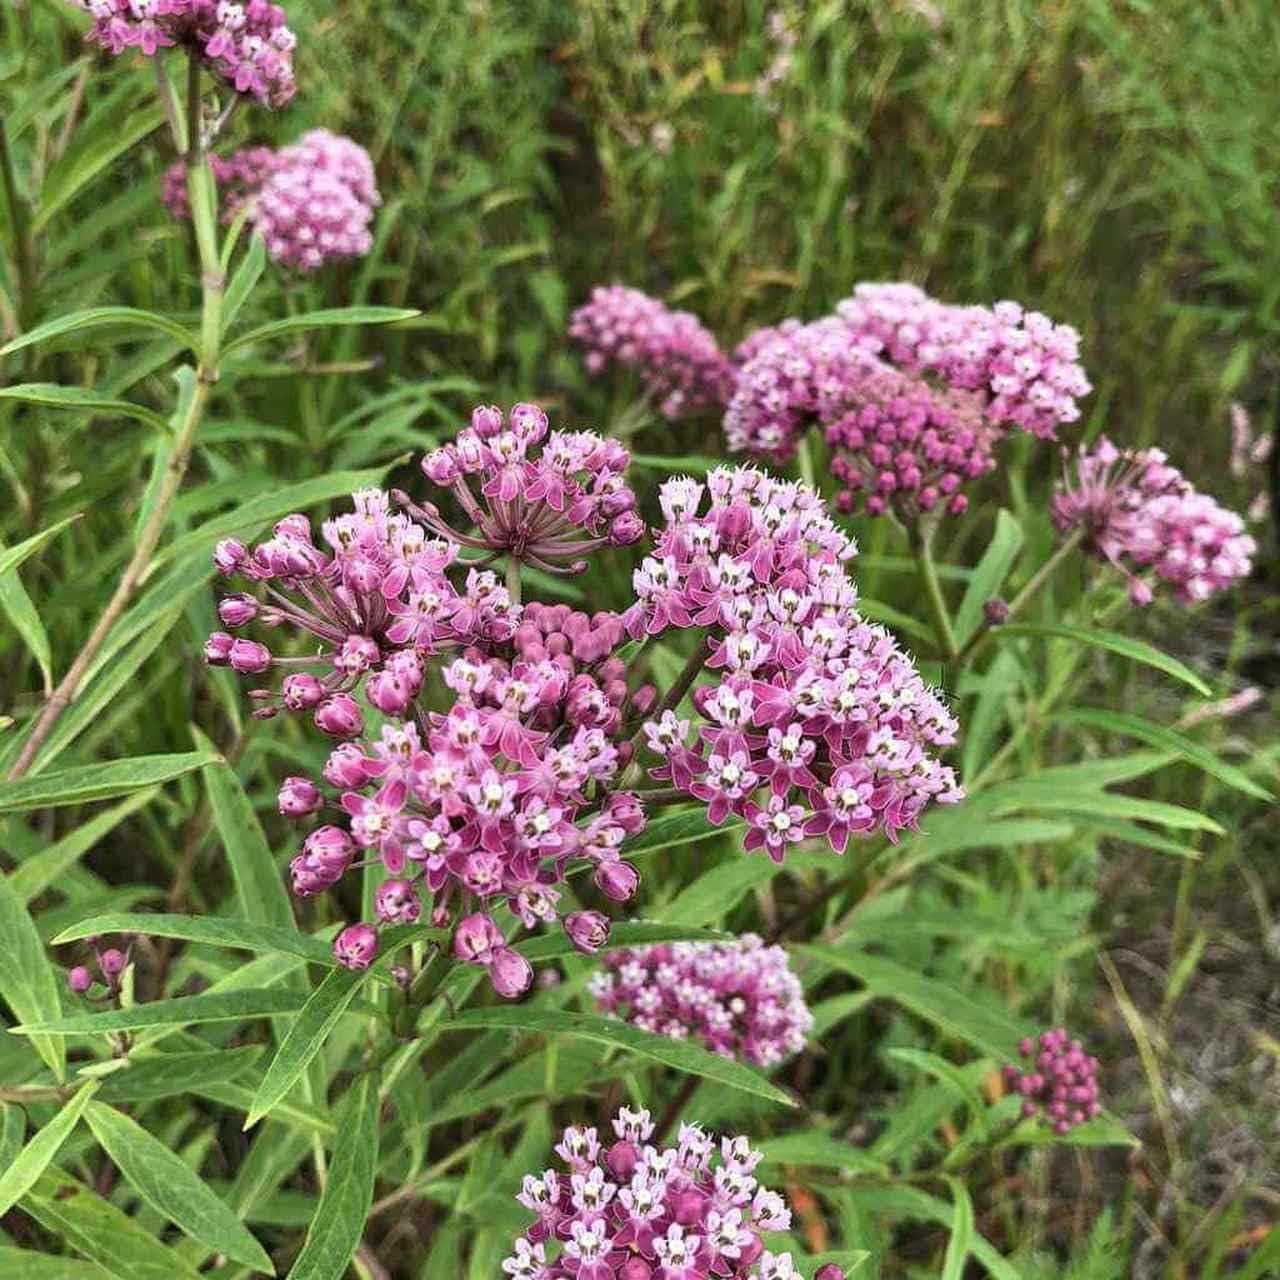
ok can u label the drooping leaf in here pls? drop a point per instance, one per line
(27, 982)
(1126, 646)
(97, 318)
(679, 1054)
(215, 1006)
(336, 317)
(34, 1158)
(306, 1038)
(172, 1188)
(629, 933)
(338, 1224)
(55, 396)
(684, 826)
(241, 284)
(85, 783)
(12, 557)
(165, 1074)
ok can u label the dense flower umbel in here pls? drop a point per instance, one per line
(1060, 1082)
(676, 358)
(819, 724)
(1027, 368)
(1139, 513)
(627, 1210)
(312, 201)
(548, 499)
(247, 45)
(740, 998)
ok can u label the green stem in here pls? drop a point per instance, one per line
(513, 578)
(201, 194)
(20, 222)
(921, 539)
(1028, 593)
(804, 462)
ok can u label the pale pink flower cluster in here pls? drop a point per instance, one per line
(313, 201)
(675, 356)
(627, 1209)
(739, 999)
(818, 724)
(1144, 517)
(247, 45)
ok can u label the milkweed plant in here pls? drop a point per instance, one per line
(550, 803)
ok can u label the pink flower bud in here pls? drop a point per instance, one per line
(217, 649)
(236, 610)
(356, 946)
(624, 809)
(79, 979)
(388, 692)
(622, 1159)
(293, 526)
(298, 797)
(301, 691)
(346, 767)
(587, 930)
(229, 556)
(339, 717)
(475, 938)
(626, 529)
(112, 963)
(617, 880)
(486, 420)
(249, 658)
(829, 1271)
(996, 611)
(510, 973)
(396, 902)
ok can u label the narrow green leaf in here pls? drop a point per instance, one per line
(821, 1150)
(1113, 641)
(27, 981)
(306, 1038)
(961, 1243)
(1103, 804)
(96, 1228)
(170, 1186)
(215, 931)
(165, 1074)
(34, 1158)
(25, 617)
(90, 782)
(632, 933)
(248, 273)
(988, 575)
(13, 1125)
(679, 1054)
(97, 318)
(336, 317)
(218, 1006)
(56, 396)
(990, 1030)
(11, 558)
(23, 1264)
(255, 513)
(335, 1230)
(1156, 735)
(684, 826)
(37, 873)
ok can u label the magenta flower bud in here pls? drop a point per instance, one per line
(617, 880)
(346, 767)
(301, 691)
(79, 979)
(510, 973)
(229, 556)
(486, 420)
(236, 610)
(388, 692)
(688, 1206)
(529, 421)
(622, 1159)
(625, 810)
(635, 1269)
(249, 658)
(475, 938)
(217, 648)
(112, 963)
(441, 467)
(358, 654)
(339, 717)
(626, 529)
(587, 930)
(829, 1271)
(298, 797)
(356, 946)
(996, 611)
(396, 902)
(294, 526)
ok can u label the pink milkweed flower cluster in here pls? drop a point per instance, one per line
(548, 499)
(1138, 513)
(818, 724)
(739, 999)
(248, 45)
(627, 1209)
(111, 962)
(675, 356)
(313, 201)
(484, 804)
(1060, 1082)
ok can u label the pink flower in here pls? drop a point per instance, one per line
(356, 946)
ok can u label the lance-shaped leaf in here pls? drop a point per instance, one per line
(333, 318)
(215, 1006)
(336, 1228)
(34, 1158)
(988, 575)
(90, 782)
(679, 1054)
(172, 1188)
(54, 395)
(165, 1074)
(27, 982)
(12, 557)
(97, 318)
(25, 1264)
